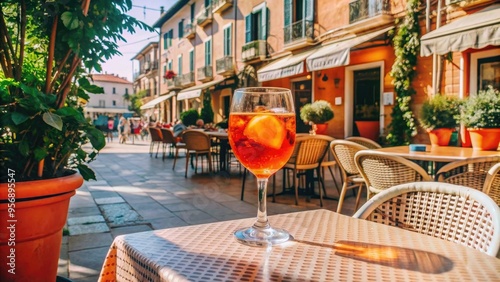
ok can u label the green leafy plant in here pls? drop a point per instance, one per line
(406, 46)
(190, 117)
(207, 113)
(318, 112)
(481, 110)
(439, 111)
(47, 50)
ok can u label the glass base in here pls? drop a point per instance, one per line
(262, 237)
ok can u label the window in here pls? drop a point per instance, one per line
(114, 103)
(208, 52)
(167, 39)
(126, 91)
(484, 70)
(164, 72)
(298, 19)
(256, 24)
(181, 29)
(179, 64)
(114, 90)
(192, 13)
(169, 65)
(227, 40)
(102, 104)
(191, 60)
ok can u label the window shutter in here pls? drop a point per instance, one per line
(288, 12)
(165, 40)
(170, 36)
(180, 65)
(164, 72)
(248, 28)
(191, 61)
(263, 33)
(308, 9)
(227, 40)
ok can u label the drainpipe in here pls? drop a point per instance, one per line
(235, 29)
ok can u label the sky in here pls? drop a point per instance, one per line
(122, 65)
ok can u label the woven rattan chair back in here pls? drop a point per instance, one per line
(368, 143)
(492, 183)
(470, 173)
(344, 152)
(382, 170)
(156, 139)
(197, 143)
(308, 153)
(451, 212)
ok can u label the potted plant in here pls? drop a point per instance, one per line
(438, 116)
(317, 114)
(47, 48)
(367, 120)
(480, 115)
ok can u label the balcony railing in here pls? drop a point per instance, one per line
(254, 50)
(224, 66)
(205, 16)
(149, 66)
(189, 30)
(364, 9)
(219, 6)
(205, 73)
(299, 31)
(187, 79)
(174, 83)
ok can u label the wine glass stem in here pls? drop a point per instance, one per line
(262, 221)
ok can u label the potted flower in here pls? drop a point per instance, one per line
(480, 114)
(438, 116)
(48, 48)
(317, 115)
(169, 74)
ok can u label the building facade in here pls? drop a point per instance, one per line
(338, 51)
(112, 103)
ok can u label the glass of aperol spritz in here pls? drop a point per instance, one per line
(262, 136)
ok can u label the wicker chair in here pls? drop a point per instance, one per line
(309, 152)
(344, 152)
(156, 139)
(451, 212)
(470, 173)
(197, 143)
(382, 170)
(492, 183)
(368, 143)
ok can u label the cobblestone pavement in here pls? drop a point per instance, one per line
(135, 192)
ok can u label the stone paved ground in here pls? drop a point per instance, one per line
(135, 192)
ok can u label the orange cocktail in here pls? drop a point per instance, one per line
(262, 142)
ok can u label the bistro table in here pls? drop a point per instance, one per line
(327, 246)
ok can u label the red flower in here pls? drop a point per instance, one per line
(169, 74)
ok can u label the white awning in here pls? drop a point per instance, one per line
(157, 100)
(106, 110)
(195, 91)
(476, 31)
(287, 66)
(337, 53)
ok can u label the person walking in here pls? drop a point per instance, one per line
(124, 127)
(110, 127)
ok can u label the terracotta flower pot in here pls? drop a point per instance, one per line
(321, 128)
(440, 136)
(369, 129)
(35, 213)
(485, 139)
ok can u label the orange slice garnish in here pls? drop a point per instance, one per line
(266, 130)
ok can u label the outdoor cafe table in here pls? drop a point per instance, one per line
(223, 147)
(328, 247)
(438, 153)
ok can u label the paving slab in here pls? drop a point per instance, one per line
(117, 231)
(120, 214)
(89, 241)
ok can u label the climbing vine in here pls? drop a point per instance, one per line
(406, 46)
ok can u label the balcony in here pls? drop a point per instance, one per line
(149, 66)
(187, 79)
(465, 3)
(224, 66)
(253, 51)
(205, 73)
(369, 14)
(219, 6)
(189, 30)
(299, 34)
(174, 83)
(204, 17)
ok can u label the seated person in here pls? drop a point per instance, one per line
(179, 127)
(200, 123)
